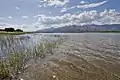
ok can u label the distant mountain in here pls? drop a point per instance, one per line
(84, 28)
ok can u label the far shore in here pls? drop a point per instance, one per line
(20, 33)
(13, 33)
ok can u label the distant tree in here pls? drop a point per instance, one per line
(19, 30)
(9, 29)
(1, 29)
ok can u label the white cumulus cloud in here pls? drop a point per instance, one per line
(47, 3)
(86, 17)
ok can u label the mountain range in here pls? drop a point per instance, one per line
(82, 28)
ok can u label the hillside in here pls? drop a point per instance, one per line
(84, 28)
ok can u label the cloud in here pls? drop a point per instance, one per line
(24, 17)
(28, 27)
(6, 25)
(84, 6)
(10, 17)
(47, 3)
(17, 8)
(3, 25)
(66, 9)
(91, 5)
(86, 17)
(83, 2)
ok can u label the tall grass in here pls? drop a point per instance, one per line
(4, 71)
(40, 50)
(16, 62)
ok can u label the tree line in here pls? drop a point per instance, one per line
(11, 30)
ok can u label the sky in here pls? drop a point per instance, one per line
(32, 15)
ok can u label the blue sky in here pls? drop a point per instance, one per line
(32, 15)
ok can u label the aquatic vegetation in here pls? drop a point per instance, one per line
(73, 59)
(4, 71)
(16, 62)
(16, 56)
(40, 51)
(115, 76)
(46, 46)
(50, 47)
(12, 66)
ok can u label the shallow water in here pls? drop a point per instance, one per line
(20, 43)
(81, 56)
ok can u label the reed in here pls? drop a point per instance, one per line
(16, 60)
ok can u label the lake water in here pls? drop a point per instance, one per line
(80, 56)
(20, 43)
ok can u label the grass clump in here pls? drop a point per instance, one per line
(115, 76)
(40, 50)
(46, 47)
(50, 46)
(4, 71)
(12, 67)
(15, 62)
